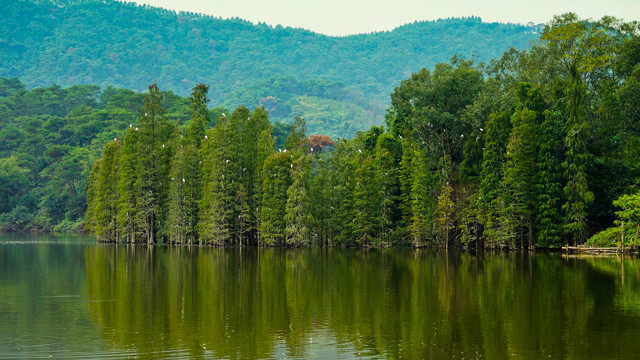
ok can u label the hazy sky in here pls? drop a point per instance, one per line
(342, 17)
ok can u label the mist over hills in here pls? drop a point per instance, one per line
(339, 84)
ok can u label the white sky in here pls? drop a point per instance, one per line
(343, 17)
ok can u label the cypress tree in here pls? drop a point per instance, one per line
(386, 163)
(128, 199)
(297, 213)
(490, 202)
(422, 199)
(548, 183)
(92, 187)
(153, 167)
(576, 190)
(216, 206)
(366, 217)
(443, 213)
(106, 216)
(276, 182)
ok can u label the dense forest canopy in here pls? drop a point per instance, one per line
(530, 150)
(339, 84)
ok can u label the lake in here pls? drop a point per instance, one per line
(64, 296)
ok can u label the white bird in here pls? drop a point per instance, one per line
(114, 139)
(400, 136)
(224, 115)
(227, 161)
(279, 150)
(206, 137)
(292, 166)
(182, 180)
(163, 145)
(481, 129)
(360, 151)
(136, 129)
(145, 114)
(285, 150)
(130, 125)
(311, 149)
(462, 135)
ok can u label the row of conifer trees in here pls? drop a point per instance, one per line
(225, 185)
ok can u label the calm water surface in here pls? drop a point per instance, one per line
(67, 297)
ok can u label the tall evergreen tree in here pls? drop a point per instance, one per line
(576, 190)
(128, 200)
(386, 164)
(218, 164)
(106, 216)
(277, 179)
(549, 194)
(153, 166)
(493, 160)
(443, 219)
(366, 222)
(297, 214)
(422, 199)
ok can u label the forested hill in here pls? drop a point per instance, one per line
(340, 84)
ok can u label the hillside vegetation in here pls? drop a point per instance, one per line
(339, 84)
(539, 149)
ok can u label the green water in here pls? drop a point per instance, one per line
(67, 297)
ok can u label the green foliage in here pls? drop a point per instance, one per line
(576, 156)
(297, 212)
(340, 84)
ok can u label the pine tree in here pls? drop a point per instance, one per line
(153, 167)
(297, 213)
(386, 164)
(177, 217)
(106, 216)
(443, 220)
(276, 181)
(92, 187)
(216, 206)
(489, 196)
(200, 117)
(520, 171)
(406, 180)
(576, 190)
(422, 199)
(366, 209)
(243, 213)
(258, 144)
(128, 199)
(549, 194)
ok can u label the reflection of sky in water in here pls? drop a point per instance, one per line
(66, 297)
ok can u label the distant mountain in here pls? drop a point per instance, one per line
(339, 84)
